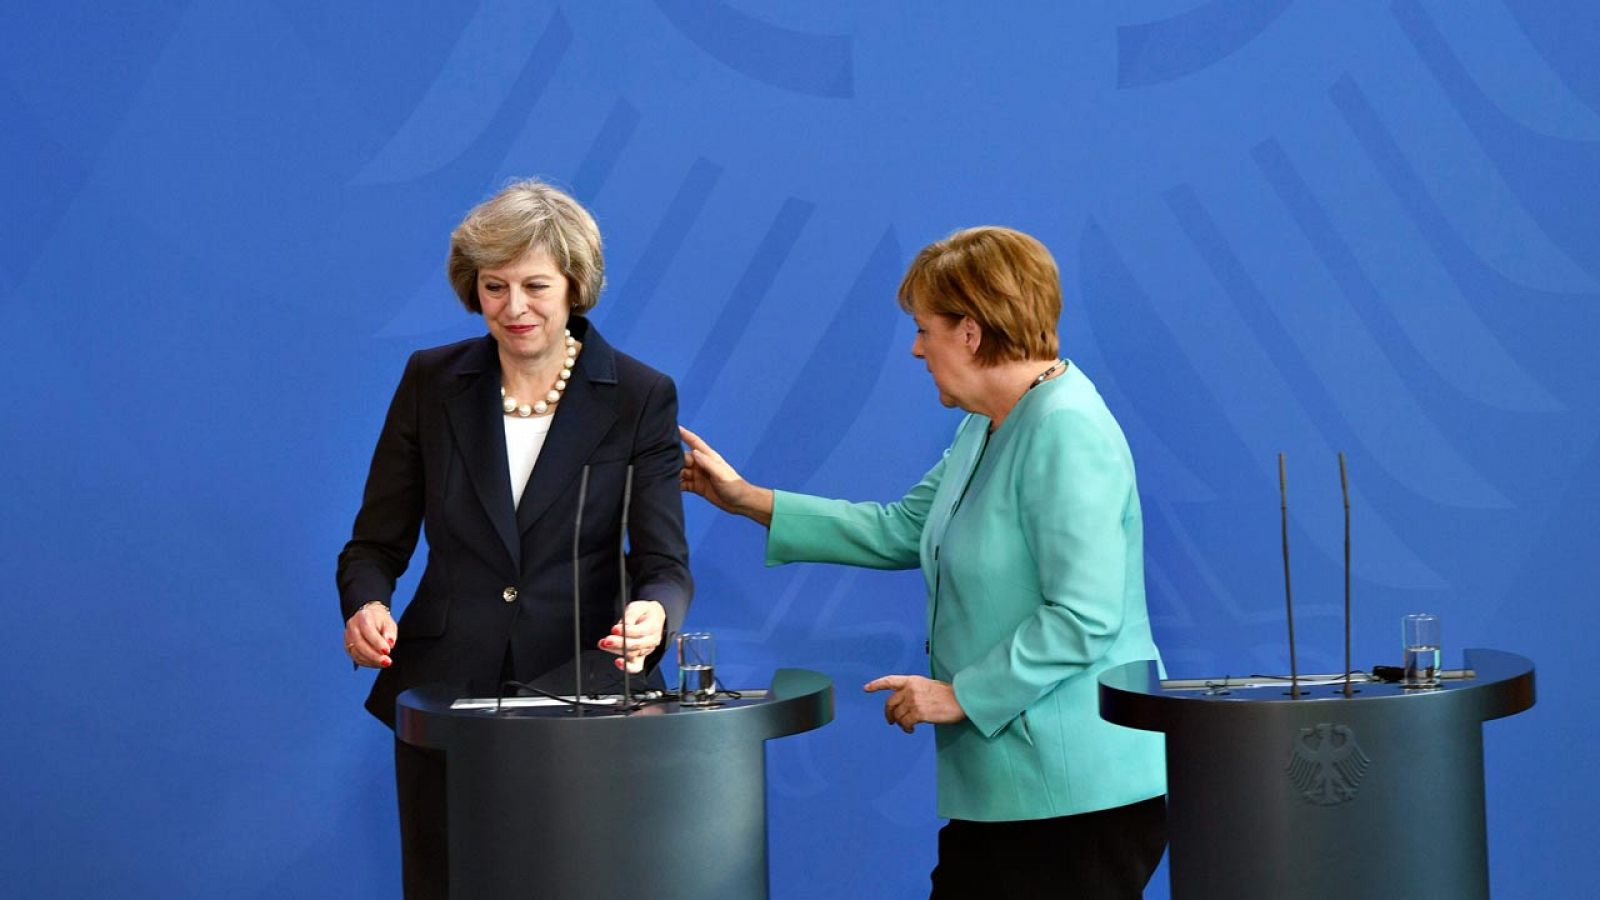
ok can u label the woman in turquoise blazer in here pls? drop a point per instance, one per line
(1029, 537)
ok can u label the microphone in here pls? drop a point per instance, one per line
(1344, 487)
(1288, 594)
(622, 587)
(577, 617)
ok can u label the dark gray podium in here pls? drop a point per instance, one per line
(1379, 795)
(666, 802)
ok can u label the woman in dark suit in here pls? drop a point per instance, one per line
(484, 447)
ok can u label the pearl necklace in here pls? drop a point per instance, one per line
(515, 407)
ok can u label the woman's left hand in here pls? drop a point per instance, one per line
(643, 621)
(916, 700)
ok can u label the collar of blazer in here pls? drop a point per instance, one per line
(586, 413)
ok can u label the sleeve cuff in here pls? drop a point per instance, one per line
(779, 550)
(988, 721)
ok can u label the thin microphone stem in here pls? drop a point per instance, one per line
(577, 618)
(1344, 486)
(622, 587)
(1288, 593)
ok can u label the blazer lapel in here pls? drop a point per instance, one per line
(586, 413)
(475, 420)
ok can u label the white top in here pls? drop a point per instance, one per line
(524, 440)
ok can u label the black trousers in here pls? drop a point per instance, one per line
(1109, 854)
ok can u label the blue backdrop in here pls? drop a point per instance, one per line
(1297, 227)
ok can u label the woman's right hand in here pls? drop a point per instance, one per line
(370, 634)
(706, 473)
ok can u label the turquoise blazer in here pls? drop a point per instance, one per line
(1031, 542)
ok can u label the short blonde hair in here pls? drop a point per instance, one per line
(1003, 279)
(528, 215)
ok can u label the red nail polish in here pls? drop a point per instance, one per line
(384, 662)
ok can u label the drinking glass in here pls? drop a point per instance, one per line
(697, 668)
(1420, 635)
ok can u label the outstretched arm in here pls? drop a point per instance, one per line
(706, 473)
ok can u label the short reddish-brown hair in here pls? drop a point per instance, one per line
(1004, 280)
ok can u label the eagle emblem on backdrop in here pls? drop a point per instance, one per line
(1326, 764)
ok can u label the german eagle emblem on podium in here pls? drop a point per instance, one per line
(1326, 764)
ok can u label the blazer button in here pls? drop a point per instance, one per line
(509, 595)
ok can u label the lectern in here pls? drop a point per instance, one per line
(664, 802)
(1375, 795)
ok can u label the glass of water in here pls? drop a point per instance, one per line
(1420, 635)
(697, 668)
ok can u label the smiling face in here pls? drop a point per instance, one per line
(947, 345)
(525, 305)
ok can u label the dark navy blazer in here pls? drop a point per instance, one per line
(500, 579)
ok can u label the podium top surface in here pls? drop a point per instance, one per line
(798, 700)
(1132, 694)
